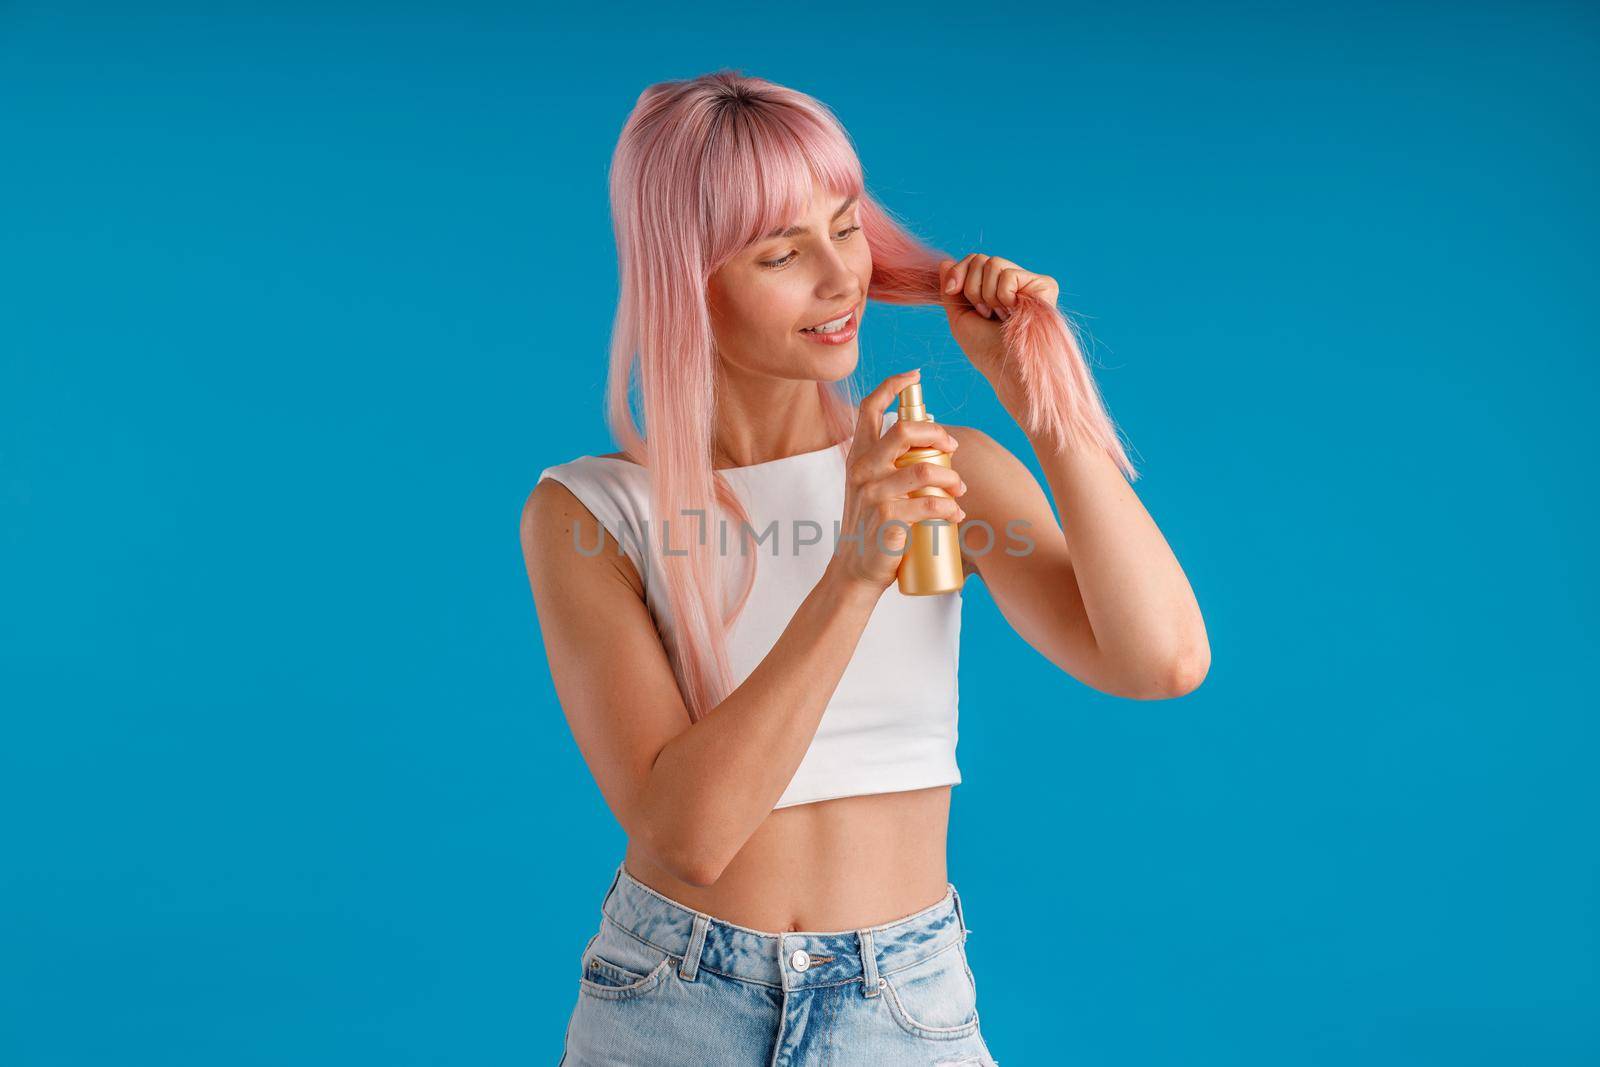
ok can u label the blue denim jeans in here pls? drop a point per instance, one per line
(663, 985)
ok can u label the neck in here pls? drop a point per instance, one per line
(761, 418)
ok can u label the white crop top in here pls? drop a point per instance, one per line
(891, 724)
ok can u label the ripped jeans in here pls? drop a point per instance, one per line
(663, 985)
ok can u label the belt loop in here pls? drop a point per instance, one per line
(616, 876)
(869, 964)
(960, 916)
(697, 943)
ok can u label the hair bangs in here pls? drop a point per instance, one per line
(764, 169)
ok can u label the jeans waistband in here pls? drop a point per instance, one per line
(800, 959)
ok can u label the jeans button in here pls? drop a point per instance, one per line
(800, 959)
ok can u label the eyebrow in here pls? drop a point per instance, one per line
(796, 231)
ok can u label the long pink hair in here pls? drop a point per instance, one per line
(703, 168)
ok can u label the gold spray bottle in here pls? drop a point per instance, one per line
(931, 562)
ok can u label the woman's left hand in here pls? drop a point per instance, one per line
(979, 293)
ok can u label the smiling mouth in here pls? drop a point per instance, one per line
(835, 325)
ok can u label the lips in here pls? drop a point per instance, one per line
(835, 317)
(844, 335)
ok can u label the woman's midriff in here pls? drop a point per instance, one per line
(828, 866)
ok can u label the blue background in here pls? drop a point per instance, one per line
(299, 299)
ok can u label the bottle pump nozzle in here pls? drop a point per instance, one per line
(911, 407)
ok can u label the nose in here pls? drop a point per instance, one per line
(839, 279)
(839, 288)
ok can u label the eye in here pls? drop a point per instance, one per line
(774, 264)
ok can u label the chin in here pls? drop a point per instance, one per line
(836, 365)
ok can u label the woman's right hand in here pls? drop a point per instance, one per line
(877, 494)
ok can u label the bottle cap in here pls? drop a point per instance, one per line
(911, 409)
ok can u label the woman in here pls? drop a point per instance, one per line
(775, 728)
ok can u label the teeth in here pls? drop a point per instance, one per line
(829, 327)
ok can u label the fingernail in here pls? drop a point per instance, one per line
(950, 285)
(983, 309)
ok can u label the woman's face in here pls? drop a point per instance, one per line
(763, 299)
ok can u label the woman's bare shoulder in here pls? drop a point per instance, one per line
(555, 522)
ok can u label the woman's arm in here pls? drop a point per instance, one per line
(1104, 599)
(690, 795)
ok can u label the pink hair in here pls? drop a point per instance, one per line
(703, 168)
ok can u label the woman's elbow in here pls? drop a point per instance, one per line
(1185, 672)
(683, 858)
(694, 867)
(1164, 677)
